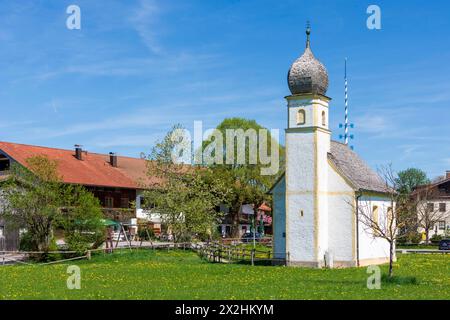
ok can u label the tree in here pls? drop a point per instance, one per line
(408, 180)
(81, 218)
(38, 201)
(248, 184)
(428, 213)
(386, 226)
(184, 196)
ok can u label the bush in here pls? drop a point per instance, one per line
(79, 242)
(410, 238)
(436, 238)
(25, 242)
(185, 237)
(142, 233)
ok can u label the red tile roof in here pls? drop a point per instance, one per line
(264, 207)
(93, 170)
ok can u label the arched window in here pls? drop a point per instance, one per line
(301, 117)
(324, 119)
(375, 220)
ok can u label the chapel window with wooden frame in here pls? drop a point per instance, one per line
(375, 219)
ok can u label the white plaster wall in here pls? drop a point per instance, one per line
(309, 105)
(279, 220)
(370, 246)
(323, 147)
(341, 219)
(300, 169)
(144, 214)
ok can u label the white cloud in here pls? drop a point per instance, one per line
(144, 20)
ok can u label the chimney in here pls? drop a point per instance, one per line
(113, 159)
(447, 175)
(78, 152)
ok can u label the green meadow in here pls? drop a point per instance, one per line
(147, 274)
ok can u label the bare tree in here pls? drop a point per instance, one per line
(386, 225)
(428, 213)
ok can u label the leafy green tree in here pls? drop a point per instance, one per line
(406, 182)
(81, 219)
(248, 185)
(184, 196)
(410, 179)
(37, 200)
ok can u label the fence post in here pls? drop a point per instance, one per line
(253, 257)
(88, 255)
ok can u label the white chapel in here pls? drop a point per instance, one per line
(318, 200)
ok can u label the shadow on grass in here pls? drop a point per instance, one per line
(399, 280)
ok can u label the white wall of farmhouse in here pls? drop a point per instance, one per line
(442, 227)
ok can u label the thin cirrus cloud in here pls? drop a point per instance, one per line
(145, 21)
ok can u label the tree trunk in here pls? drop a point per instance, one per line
(391, 259)
(427, 236)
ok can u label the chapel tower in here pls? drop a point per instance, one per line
(307, 146)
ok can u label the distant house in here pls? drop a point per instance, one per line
(435, 199)
(245, 220)
(116, 181)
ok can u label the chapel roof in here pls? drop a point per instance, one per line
(353, 168)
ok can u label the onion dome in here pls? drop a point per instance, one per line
(307, 74)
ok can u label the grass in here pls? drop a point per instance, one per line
(418, 246)
(182, 275)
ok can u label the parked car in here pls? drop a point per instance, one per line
(248, 237)
(444, 244)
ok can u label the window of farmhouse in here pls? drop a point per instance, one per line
(124, 202)
(441, 225)
(4, 163)
(301, 117)
(324, 119)
(430, 207)
(109, 202)
(442, 207)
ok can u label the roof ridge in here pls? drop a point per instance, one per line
(62, 149)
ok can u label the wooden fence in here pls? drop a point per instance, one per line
(221, 253)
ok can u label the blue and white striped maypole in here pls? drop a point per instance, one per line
(346, 136)
(346, 106)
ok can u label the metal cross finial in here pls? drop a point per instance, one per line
(308, 32)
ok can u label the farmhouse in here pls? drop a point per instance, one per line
(433, 207)
(318, 200)
(116, 181)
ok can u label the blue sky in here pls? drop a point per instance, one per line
(138, 67)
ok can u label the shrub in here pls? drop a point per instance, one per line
(436, 238)
(25, 242)
(142, 233)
